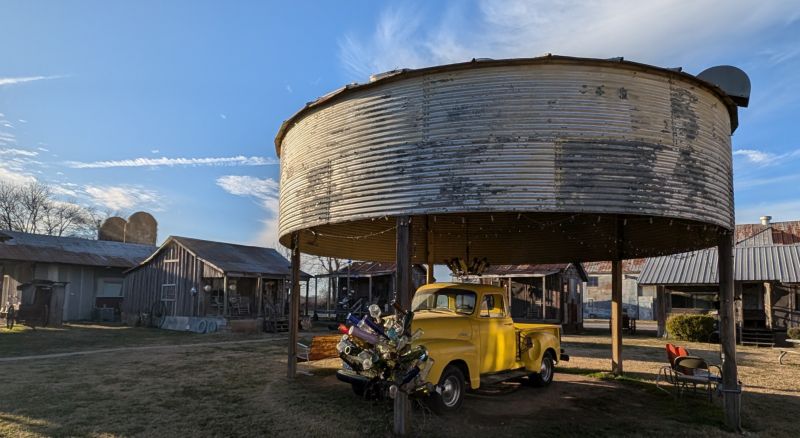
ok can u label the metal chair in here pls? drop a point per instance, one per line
(685, 370)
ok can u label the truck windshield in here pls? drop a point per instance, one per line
(454, 300)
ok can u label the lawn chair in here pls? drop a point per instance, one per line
(685, 370)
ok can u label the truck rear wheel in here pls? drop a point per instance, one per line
(545, 374)
(452, 386)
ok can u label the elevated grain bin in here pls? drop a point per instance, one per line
(518, 161)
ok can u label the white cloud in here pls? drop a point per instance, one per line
(43, 149)
(155, 151)
(289, 88)
(654, 31)
(265, 191)
(124, 197)
(18, 152)
(23, 79)
(755, 156)
(223, 116)
(15, 176)
(240, 160)
(763, 158)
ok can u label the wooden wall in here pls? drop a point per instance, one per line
(142, 287)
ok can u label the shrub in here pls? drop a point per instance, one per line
(793, 333)
(688, 327)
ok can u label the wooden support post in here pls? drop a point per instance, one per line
(429, 250)
(316, 295)
(402, 406)
(768, 305)
(544, 298)
(294, 305)
(661, 311)
(260, 297)
(616, 317)
(225, 296)
(369, 290)
(616, 300)
(727, 328)
(308, 286)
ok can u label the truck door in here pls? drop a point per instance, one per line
(498, 339)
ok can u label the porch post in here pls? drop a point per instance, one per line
(727, 328)
(616, 301)
(429, 250)
(225, 295)
(308, 286)
(616, 317)
(661, 310)
(369, 289)
(316, 295)
(294, 305)
(402, 407)
(768, 305)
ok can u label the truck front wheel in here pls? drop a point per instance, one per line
(545, 374)
(450, 393)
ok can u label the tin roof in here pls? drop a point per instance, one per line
(366, 269)
(532, 269)
(70, 250)
(632, 266)
(232, 258)
(778, 233)
(751, 263)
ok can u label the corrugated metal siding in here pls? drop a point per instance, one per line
(71, 250)
(751, 263)
(542, 138)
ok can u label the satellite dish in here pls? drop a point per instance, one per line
(112, 229)
(732, 80)
(142, 228)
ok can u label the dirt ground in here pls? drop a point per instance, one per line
(241, 390)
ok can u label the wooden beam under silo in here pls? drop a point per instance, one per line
(294, 305)
(402, 406)
(731, 390)
(616, 300)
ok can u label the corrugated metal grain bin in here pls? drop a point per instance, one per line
(529, 160)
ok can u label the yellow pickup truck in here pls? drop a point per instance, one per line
(467, 329)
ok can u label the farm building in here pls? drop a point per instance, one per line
(541, 292)
(637, 300)
(359, 284)
(79, 279)
(766, 274)
(201, 279)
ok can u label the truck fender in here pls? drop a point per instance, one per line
(446, 351)
(540, 342)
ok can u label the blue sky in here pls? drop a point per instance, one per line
(172, 107)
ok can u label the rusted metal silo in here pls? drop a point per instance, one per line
(488, 155)
(550, 159)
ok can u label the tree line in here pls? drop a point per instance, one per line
(33, 208)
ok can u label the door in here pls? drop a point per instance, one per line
(498, 338)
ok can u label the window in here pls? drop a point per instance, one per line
(493, 306)
(168, 292)
(448, 299)
(593, 282)
(109, 289)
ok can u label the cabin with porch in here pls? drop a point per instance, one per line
(637, 299)
(766, 281)
(551, 293)
(187, 281)
(356, 285)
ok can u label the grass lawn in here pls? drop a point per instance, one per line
(241, 390)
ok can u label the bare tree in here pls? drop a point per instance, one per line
(32, 208)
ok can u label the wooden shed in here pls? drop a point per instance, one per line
(199, 278)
